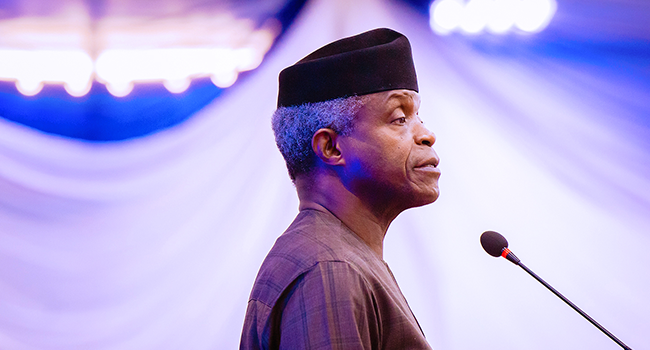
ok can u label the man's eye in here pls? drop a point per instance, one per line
(401, 120)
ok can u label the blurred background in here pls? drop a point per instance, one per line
(140, 185)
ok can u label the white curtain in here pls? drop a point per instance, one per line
(154, 243)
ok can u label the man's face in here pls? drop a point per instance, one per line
(389, 156)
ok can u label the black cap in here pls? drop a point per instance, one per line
(374, 61)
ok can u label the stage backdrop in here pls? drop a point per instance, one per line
(154, 242)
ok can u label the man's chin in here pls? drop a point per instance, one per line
(425, 199)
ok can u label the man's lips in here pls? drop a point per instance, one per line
(430, 166)
(430, 163)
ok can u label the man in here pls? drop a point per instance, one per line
(347, 125)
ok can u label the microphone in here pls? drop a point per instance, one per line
(497, 245)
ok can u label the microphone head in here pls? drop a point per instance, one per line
(493, 243)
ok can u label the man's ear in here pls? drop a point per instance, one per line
(324, 143)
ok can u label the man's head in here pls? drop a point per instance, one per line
(351, 107)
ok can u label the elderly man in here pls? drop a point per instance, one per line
(347, 125)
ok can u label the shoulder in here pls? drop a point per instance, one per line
(315, 243)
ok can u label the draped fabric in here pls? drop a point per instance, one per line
(154, 243)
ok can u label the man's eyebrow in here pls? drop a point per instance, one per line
(400, 94)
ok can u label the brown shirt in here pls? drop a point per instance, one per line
(322, 287)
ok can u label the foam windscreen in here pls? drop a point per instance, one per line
(493, 243)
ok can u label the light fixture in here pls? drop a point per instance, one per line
(496, 16)
(123, 51)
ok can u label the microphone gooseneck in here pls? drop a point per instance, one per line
(497, 245)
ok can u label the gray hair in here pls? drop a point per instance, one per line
(295, 126)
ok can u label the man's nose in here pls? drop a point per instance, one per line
(424, 136)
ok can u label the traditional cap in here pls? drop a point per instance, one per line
(374, 61)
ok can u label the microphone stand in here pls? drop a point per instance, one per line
(513, 258)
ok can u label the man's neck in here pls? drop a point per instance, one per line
(327, 194)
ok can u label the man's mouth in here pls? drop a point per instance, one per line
(431, 163)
